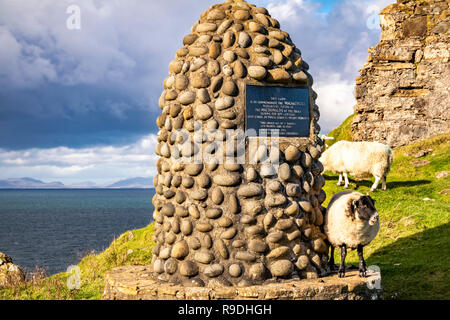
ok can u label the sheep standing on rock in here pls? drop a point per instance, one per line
(351, 221)
(359, 159)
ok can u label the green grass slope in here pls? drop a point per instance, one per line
(412, 248)
(341, 133)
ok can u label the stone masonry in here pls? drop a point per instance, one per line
(403, 91)
(235, 224)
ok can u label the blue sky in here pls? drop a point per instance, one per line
(80, 105)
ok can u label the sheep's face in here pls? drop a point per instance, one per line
(364, 209)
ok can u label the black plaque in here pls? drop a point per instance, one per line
(282, 108)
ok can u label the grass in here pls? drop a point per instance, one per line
(342, 132)
(131, 248)
(412, 248)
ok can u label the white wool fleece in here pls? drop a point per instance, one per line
(341, 228)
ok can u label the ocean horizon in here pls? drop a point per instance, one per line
(55, 228)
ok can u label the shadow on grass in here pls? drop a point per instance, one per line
(389, 184)
(417, 266)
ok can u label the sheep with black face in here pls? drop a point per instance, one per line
(351, 221)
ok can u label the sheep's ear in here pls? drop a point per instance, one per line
(353, 206)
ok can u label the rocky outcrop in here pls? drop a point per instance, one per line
(403, 90)
(10, 274)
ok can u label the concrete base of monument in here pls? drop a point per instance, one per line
(138, 283)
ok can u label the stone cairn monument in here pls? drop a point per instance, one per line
(403, 91)
(254, 217)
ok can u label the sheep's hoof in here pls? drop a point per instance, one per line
(341, 274)
(372, 190)
(362, 274)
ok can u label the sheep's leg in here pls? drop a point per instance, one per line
(331, 261)
(383, 184)
(375, 184)
(340, 179)
(362, 262)
(341, 271)
(346, 180)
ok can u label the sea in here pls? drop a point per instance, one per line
(53, 229)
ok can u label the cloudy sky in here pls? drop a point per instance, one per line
(81, 104)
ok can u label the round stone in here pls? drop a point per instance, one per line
(224, 26)
(284, 172)
(230, 88)
(229, 56)
(233, 204)
(165, 253)
(181, 211)
(306, 160)
(319, 246)
(168, 209)
(284, 224)
(239, 69)
(275, 236)
(246, 219)
(213, 213)
(268, 220)
(203, 95)
(267, 170)
(251, 174)
(228, 39)
(180, 250)
(188, 268)
(193, 169)
(187, 182)
(257, 72)
(281, 268)
(216, 14)
(293, 209)
(292, 154)
(293, 190)
(242, 14)
(186, 227)
(158, 266)
(204, 227)
(302, 262)
(221, 248)
(279, 75)
(305, 205)
(181, 82)
(204, 257)
(187, 98)
(244, 40)
(250, 190)
(202, 112)
(274, 186)
(225, 222)
(257, 271)
(214, 50)
(224, 103)
(217, 196)
(257, 246)
(213, 270)
(206, 27)
(216, 83)
(194, 243)
(279, 252)
(227, 180)
(229, 234)
(189, 39)
(264, 61)
(200, 80)
(213, 68)
(235, 270)
(198, 51)
(245, 256)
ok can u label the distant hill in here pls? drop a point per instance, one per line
(30, 183)
(138, 182)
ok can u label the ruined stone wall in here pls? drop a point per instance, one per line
(403, 90)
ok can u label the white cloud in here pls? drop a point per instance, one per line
(100, 164)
